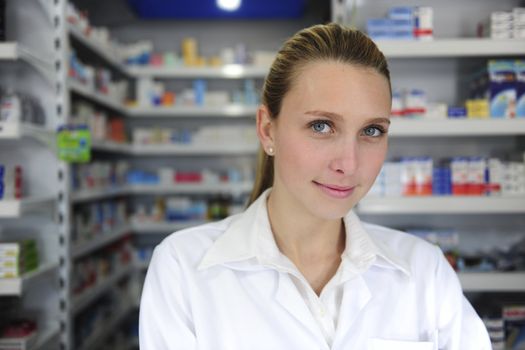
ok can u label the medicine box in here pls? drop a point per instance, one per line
(514, 317)
(502, 88)
(519, 66)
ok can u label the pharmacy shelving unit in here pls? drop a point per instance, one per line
(27, 65)
(415, 134)
(73, 89)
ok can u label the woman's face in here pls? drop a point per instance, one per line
(330, 138)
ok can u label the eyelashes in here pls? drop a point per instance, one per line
(326, 127)
(377, 128)
(321, 126)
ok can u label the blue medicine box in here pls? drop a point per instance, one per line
(401, 12)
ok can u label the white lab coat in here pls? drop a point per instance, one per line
(218, 287)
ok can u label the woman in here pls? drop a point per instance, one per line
(297, 269)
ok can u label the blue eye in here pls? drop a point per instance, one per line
(321, 127)
(373, 131)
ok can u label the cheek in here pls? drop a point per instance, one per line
(372, 158)
(296, 157)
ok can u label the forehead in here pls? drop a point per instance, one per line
(340, 88)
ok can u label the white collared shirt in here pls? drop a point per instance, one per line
(226, 285)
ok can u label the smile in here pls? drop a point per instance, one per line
(335, 191)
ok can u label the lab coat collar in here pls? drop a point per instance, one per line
(248, 244)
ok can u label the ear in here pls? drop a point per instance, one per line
(265, 129)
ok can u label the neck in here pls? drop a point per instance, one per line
(301, 236)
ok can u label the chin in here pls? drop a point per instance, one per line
(332, 211)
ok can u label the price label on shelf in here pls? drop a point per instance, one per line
(74, 143)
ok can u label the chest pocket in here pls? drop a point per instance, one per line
(381, 344)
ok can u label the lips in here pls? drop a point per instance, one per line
(336, 191)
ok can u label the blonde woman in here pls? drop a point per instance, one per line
(298, 269)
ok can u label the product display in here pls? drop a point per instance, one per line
(504, 24)
(98, 219)
(489, 259)
(93, 270)
(18, 334)
(99, 175)
(142, 54)
(11, 182)
(99, 80)
(502, 84)
(182, 209)
(18, 108)
(403, 23)
(100, 35)
(514, 319)
(103, 125)
(458, 176)
(507, 332)
(167, 176)
(106, 309)
(209, 136)
(18, 258)
(153, 94)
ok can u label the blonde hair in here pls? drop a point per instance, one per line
(329, 42)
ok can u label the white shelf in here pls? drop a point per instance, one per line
(225, 149)
(97, 97)
(163, 227)
(81, 301)
(49, 335)
(99, 193)
(17, 286)
(456, 127)
(218, 188)
(14, 131)
(101, 240)
(193, 111)
(492, 281)
(12, 51)
(97, 49)
(231, 71)
(109, 146)
(466, 47)
(442, 205)
(18, 208)
(198, 188)
(176, 149)
(105, 329)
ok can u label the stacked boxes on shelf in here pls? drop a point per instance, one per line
(103, 125)
(403, 23)
(474, 176)
(154, 94)
(209, 136)
(506, 24)
(501, 86)
(18, 334)
(507, 332)
(11, 182)
(498, 91)
(18, 258)
(98, 219)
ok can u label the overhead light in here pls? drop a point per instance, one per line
(229, 5)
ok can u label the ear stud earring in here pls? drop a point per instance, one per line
(270, 151)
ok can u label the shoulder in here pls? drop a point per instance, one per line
(397, 240)
(415, 253)
(189, 245)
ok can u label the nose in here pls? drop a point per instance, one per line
(345, 157)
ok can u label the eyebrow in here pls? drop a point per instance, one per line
(338, 116)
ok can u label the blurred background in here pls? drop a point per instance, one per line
(124, 121)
